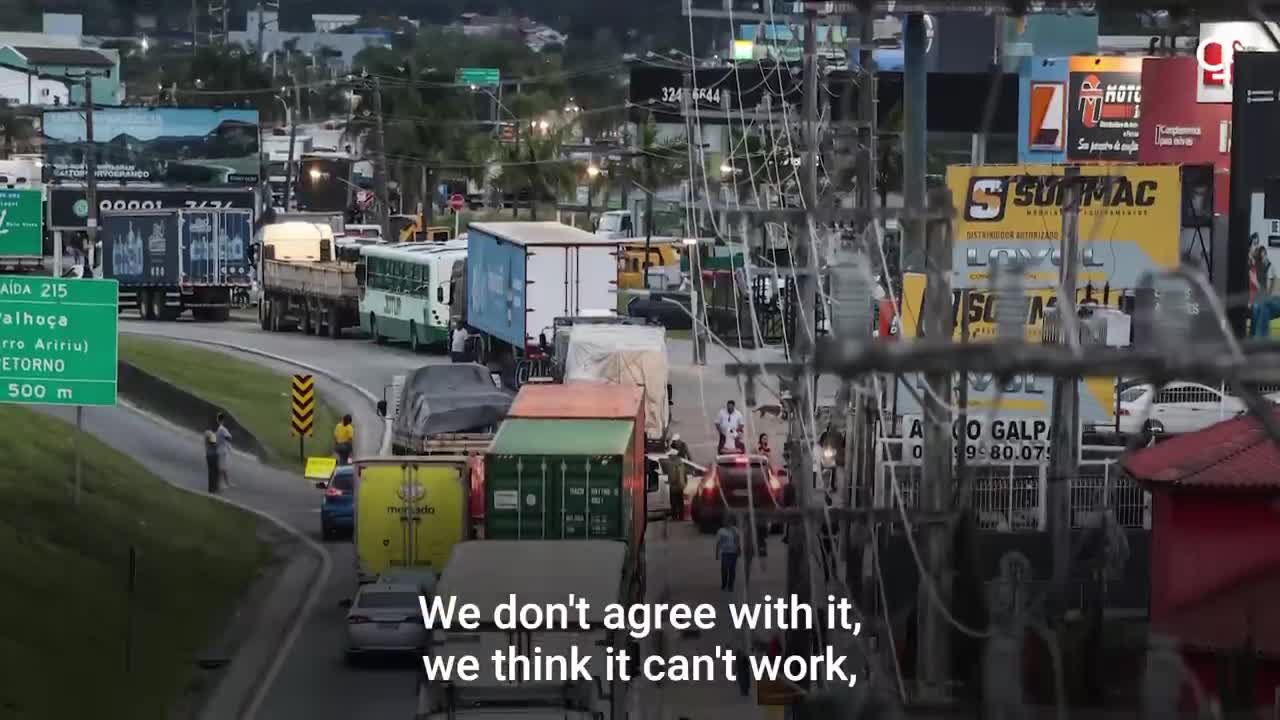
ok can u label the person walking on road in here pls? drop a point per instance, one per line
(728, 547)
(211, 458)
(458, 344)
(224, 450)
(343, 437)
(729, 425)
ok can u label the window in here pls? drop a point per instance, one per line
(1204, 395)
(1133, 394)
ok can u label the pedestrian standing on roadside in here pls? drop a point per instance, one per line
(729, 425)
(728, 547)
(343, 439)
(458, 344)
(224, 449)
(211, 458)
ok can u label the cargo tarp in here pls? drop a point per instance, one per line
(632, 354)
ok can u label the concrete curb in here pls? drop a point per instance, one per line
(251, 707)
(225, 702)
(385, 445)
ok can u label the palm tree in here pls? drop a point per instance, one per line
(536, 163)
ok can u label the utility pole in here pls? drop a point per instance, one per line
(861, 459)
(933, 656)
(800, 437)
(91, 237)
(915, 113)
(694, 141)
(291, 118)
(1064, 427)
(380, 164)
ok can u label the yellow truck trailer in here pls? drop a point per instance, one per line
(409, 512)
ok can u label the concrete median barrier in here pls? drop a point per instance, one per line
(182, 408)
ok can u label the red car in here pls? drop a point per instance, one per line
(738, 482)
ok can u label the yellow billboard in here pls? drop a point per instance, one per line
(1129, 222)
(1023, 395)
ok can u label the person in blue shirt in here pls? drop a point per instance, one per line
(728, 547)
(1262, 280)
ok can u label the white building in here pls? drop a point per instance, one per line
(20, 86)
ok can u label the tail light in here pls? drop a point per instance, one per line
(710, 484)
(1124, 412)
(333, 492)
(774, 482)
(358, 620)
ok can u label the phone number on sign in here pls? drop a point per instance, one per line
(1030, 453)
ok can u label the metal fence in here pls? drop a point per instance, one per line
(1010, 497)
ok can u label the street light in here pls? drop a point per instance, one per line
(593, 170)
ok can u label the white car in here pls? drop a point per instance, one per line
(385, 618)
(1178, 407)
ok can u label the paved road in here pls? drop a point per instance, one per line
(316, 685)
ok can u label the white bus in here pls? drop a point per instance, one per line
(408, 290)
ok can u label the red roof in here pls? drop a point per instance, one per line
(1234, 455)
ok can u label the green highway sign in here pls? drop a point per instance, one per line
(479, 77)
(57, 341)
(21, 222)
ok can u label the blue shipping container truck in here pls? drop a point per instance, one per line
(170, 261)
(521, 276)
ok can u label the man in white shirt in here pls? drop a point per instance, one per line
(458, 344)
(729, 424)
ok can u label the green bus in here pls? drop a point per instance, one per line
(408, 290)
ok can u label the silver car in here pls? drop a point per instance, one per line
(385, 618)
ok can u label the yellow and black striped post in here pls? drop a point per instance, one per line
(302, 413)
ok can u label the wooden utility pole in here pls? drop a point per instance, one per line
(1064, 422)
(933, 656)
(380, 164)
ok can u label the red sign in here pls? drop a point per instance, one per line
(1175, 129)
(1216, 63)
(456, 201)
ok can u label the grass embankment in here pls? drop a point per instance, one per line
(257, 397)
(65, 569)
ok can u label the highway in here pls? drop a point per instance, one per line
(314, 683)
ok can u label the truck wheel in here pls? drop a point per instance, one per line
(308, 320)
(373, 329)
(274, 313)
(155, 301)
(414, 345)
(264, 316)
(335, 327)
(146, 308)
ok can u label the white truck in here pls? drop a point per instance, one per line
(303, 283)
(486, 573)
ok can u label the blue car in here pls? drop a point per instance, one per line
(337, 514)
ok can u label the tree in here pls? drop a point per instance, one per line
(19, 129)
(536, 165)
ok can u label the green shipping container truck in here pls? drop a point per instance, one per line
(559, 479)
